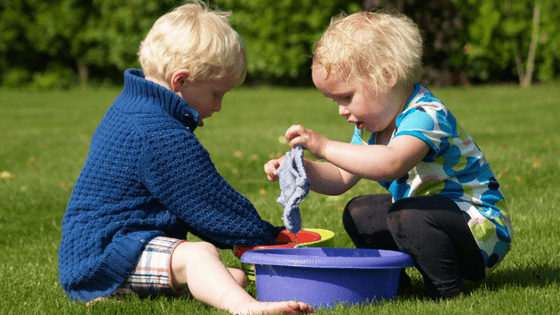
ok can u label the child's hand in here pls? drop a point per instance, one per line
(311, 141)
(271, 168)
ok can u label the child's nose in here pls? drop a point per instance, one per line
(343, 111)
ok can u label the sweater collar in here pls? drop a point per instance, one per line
(139, 89)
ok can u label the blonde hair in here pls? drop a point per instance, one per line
(194, 37)
(369, 46)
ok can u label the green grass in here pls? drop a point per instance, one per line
(45, 138)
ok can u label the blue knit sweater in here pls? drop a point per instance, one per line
(146, 175)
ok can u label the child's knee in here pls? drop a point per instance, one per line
(206, 249)
(402, 225)
(347, 220)
(195, 251)
(349, 215)
(239, 276)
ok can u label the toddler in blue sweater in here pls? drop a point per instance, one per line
(148, 181)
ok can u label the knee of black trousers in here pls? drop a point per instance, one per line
(395, 222)
(348, 219)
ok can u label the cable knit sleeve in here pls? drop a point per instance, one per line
(178, 171)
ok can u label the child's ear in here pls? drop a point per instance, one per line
(178, 79)
(391, 75)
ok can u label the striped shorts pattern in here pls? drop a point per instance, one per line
(152, 275)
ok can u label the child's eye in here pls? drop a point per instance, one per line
(344, 99)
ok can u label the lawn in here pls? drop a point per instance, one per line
(44, 143)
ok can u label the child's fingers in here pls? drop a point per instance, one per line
(295, 131)
(297, 134)
(271, 169)
(296, 141)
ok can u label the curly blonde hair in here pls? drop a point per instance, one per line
(194, 37)
(370, 46)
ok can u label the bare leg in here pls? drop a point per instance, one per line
(238, 275)
(198, 266)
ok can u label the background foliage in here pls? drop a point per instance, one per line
(280, 35)
(62, 43)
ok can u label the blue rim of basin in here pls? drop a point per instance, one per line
(326, 257)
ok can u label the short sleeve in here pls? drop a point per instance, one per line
(431, 123)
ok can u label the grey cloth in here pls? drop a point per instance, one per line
(294, 186)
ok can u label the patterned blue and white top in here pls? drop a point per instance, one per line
(455, 167)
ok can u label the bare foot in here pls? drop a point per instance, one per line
(119, 294)
(290, 307)
(99, 299)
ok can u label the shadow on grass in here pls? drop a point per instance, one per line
(524, 276)
(532, 275)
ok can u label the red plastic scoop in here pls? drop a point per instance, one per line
(284, 240)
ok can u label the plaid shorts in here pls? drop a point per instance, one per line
(152, 275)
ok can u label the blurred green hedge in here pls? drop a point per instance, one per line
(49, 44)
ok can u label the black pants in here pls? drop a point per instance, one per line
(431, 229)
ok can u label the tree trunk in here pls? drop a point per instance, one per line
(526, 75)
(83, 71)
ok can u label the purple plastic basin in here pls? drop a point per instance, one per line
(323, 277)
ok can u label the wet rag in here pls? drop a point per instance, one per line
(294, 186)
